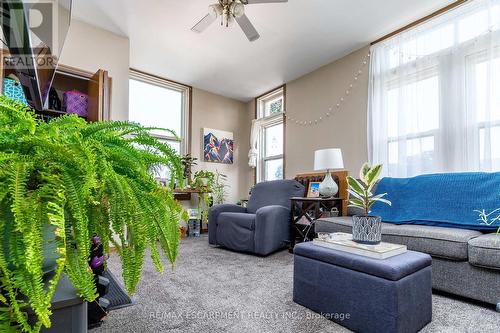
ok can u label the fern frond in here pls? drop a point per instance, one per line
(74, 180)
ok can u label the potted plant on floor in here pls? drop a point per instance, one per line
(204, 182)
(219, 188)
(60, 183)
(366, 229)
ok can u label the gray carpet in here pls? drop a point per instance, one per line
(215, 290)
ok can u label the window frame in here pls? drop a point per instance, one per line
(426, 73)
(267, 122)
(184, 138)
(471, 62)
(465, 51)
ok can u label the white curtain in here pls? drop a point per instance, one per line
(434, 94)
(253, 154)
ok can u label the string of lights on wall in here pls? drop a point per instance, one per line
(340, 102)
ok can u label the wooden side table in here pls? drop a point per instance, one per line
(305, 212)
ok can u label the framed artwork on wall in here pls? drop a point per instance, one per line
(313, 191)
(218, 146)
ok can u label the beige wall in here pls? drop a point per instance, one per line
(311, 96)
(90, 48)
(217, 112)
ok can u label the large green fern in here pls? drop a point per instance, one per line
(78, 179)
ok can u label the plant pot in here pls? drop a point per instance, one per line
(50, 254)
(367, 229)
(204, 181)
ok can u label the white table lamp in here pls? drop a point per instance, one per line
(328, 159)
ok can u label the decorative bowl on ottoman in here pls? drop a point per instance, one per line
(366, 229)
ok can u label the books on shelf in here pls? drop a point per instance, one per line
(343, 242)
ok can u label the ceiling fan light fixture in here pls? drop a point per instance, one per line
(231, 11)
(215, 10)
(237, 9)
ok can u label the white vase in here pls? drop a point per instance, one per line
(328, 188)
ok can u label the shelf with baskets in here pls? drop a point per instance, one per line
(93, 88)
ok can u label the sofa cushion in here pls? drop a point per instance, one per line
(236, 231)
(448, 243)
(484, 251)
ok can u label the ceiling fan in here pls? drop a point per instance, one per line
(229, 10)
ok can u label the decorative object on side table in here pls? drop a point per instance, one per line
(218, 146)
(366, 229)
(328, 159)
(313, 190)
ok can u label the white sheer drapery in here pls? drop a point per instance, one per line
(434, 94)
(253, 154)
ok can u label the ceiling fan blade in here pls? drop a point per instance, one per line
(204, 23)
(248, 28)
(250, 2)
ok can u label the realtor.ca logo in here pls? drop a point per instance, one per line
(30, 31)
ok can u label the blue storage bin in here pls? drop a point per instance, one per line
(13, 89)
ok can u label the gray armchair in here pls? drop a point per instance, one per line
(263, 226)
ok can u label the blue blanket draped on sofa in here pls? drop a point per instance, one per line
(446, 200)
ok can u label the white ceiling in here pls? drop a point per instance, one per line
(296, 38)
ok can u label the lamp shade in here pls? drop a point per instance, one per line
(327, 159)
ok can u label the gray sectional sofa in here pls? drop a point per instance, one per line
(464, 262)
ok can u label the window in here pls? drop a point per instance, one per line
(155, 102)
(270, 158)
(433, 101)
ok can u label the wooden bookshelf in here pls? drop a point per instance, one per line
(96, 85)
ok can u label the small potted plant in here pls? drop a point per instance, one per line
(187, 164)
(219, 188)
(204, 179)
(366, 229)
(204, 182)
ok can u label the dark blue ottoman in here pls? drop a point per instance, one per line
(364, 294)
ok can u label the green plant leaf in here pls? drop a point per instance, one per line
(383, 201)
(355, 185)
(372, 175)
(365, 168)
(356, 203)
(379, 196)
(356, 195)
(81, 179)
